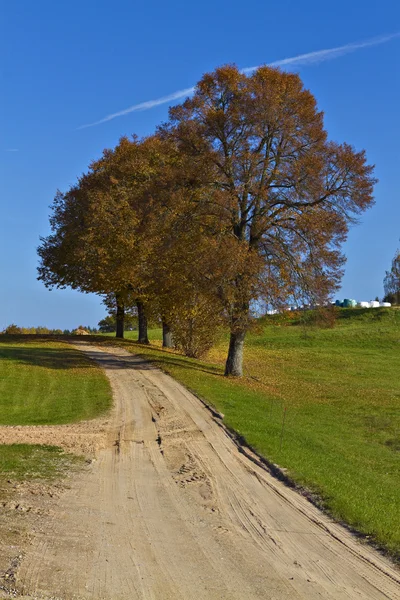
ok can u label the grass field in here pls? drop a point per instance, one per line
(341, 391)
(155, 335)
(44, 382)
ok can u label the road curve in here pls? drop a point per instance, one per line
(172, 510)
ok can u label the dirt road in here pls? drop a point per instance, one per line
(171, 510)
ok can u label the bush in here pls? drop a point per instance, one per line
(12, 329)
(195, 330)
(42, 330)
(323, 317)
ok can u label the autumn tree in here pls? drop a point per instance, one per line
(99, 241)
(286, 195)
(181, 239)
(84, 250)
(186, 271)
(136, 169)
(128, 230)
(193, 259)
(391, 283)
(163, 187)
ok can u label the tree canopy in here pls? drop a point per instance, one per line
(239, 197)
(285, 193)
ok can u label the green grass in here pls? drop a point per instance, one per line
(46, 382)
(153, 334)
(28, 461)
(341, 391)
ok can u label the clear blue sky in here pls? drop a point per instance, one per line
(68, 64)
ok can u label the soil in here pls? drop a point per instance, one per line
(85, 438)
(171, 509)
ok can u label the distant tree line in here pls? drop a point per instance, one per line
(239, 198)
(40, 330)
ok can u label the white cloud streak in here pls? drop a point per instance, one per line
(330, 53)
(143, 106)
(11, 150)
(309, 58)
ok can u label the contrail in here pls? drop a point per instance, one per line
(302, 59)
(143, 106)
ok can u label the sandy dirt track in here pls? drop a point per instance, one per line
(172, 510)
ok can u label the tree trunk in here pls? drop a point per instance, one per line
(234, 362)
(120, 315)
(142, 323)
(166, 335)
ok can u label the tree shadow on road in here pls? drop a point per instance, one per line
(41, 351)
(154, 357)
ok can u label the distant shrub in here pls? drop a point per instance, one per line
(325, 317)
(42, 330)
(322, 317)
(12, 329)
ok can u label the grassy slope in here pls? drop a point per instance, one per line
(47, 382)
(341, 389)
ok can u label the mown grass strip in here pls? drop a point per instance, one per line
(46, 382)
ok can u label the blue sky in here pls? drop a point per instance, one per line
(68, 64)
